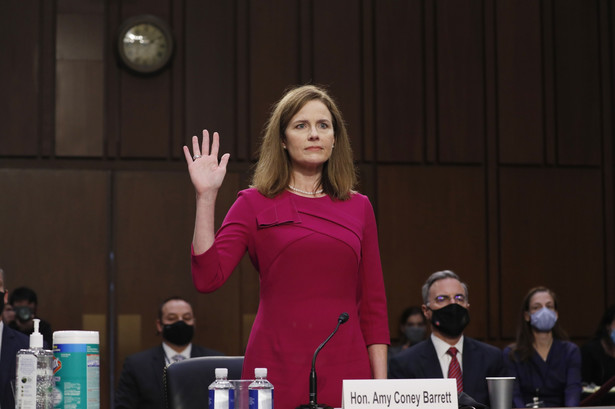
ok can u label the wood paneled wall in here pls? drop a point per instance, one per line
(482, 130)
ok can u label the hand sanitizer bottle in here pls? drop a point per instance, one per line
(34, 380)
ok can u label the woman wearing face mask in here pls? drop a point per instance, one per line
(547, 367)
(412, 329)
(599, 355)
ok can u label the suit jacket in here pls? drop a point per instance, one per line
(140, 385)
(480, 360)
(12, 342)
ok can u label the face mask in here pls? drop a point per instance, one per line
(414, 334)
(2, 294)
(543, 319)
(178, 333)
(613, 335)
(450, 320)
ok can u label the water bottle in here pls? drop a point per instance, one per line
(261, 390)
(221, 391)
(34, 379)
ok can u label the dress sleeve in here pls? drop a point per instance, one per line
(573, 376)
(212, 268)
(373, 304)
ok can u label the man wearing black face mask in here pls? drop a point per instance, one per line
(140, 385)
(447, 353)
(11, 341)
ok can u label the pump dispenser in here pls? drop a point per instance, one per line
(34, 381)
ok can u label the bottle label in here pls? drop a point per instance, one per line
(77, 375)
(25, 382)
(221, 399)
(261, 398)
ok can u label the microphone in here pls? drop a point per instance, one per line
(313, 384)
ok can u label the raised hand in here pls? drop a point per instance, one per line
(206, 173)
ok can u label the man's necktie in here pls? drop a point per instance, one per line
(178, 357)
(454, 369)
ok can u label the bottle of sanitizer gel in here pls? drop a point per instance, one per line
(34, 381)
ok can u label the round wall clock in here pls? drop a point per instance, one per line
(145, 43)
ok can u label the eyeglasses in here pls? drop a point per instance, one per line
(446, 299)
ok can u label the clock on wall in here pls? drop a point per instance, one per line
(145, 44)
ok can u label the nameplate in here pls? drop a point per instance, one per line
(399, 393)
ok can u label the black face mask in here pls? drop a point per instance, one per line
(178, 333)
(450, 320)
(2, 294)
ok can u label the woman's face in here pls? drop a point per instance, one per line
(309, 137)
(538, 301)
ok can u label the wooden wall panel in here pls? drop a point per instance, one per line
(400, 77)
(154, 216)
(339, 45)
(519, 82)
(432, 219)
(578, 86)
(210, 72)
(145, 108)
(460, 75)
(55, 239)
(273, 64)
(552, 235)
(19, 77)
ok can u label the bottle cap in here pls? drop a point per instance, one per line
(221, 373)
(260, 372)
(36, 338)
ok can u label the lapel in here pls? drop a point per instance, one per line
(4, 352)
(158, 363)
(470, 359)
(430, 362)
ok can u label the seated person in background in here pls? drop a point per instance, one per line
(11, 342)
(598, 355)
(140, 385)
(547, 367)
(447, 353)
(412, 329)
(22, 311)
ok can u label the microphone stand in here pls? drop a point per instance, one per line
(313, 383)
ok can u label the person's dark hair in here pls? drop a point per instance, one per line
(273, 170)
(524, 346)
(21, 294)
(405, 314)
(172, 298)
(440, 275)
(607, 318)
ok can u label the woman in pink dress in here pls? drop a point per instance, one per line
(314, 243)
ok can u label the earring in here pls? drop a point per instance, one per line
(284, 146)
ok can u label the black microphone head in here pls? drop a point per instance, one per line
(343, 317)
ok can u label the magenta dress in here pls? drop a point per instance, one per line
(316, 258)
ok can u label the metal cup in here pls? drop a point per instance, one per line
(501, 391)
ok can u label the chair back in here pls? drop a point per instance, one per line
(186, 382)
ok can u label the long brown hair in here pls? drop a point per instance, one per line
(524, 346)
(273, 169)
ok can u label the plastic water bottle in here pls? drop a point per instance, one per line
(34, 380)
(261, 390)
(221, 391)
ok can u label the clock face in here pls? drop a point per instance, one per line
(145, 44)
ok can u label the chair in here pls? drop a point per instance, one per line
(186, 382)
(594, 398)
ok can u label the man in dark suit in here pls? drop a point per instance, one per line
(11, 341)
(140, 385)
(448, 353)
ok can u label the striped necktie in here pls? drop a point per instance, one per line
(454, 369)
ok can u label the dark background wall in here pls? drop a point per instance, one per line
(483, 131)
